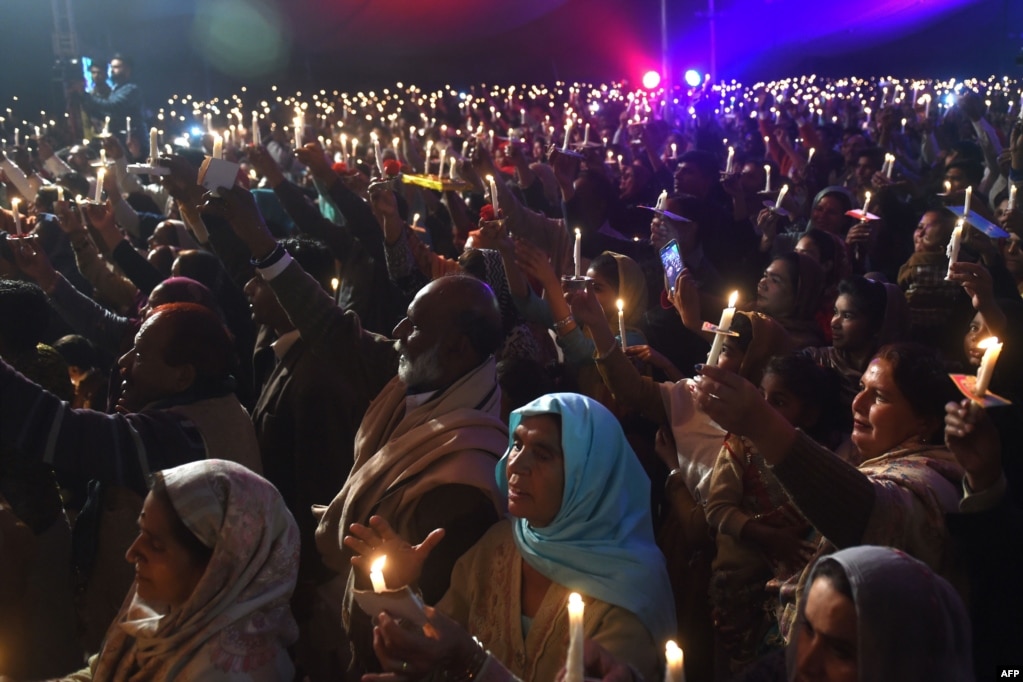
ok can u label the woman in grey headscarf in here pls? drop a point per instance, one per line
(877, 614)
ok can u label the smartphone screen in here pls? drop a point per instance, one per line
(672, 261)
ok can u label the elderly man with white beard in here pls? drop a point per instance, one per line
(427, 447)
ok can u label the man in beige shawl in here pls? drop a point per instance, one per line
(426, 451)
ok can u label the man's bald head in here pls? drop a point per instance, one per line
(452, 326)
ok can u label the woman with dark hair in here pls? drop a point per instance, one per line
(867, 315)
(904, 479)
(790, 291)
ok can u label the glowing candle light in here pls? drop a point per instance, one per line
(1012, 197)
(440, 166)
(574, 661)
(992, 349)
(355, 149)
(731, 157)
(889, 164)
(218, 147)
(60, 193)
(465, 148)
(376, 153)
(948, 187)
(781, 195)
(577, 253)
(809, 157)
(586, 135)
(952, 251)
(674, 150)
(127, 128)
(100, 176)
(621, 321)
(724, 325)
(676, 663)
(493, 194)
(17, 215)
(568, 134)
(257, 138)
(154, 146)
(453, 172)
(966, 202)
(429, 152)
(106, 127)
(376, 574)
(866, 202)
(767, 177)
(903, 126)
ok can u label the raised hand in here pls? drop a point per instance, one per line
(404, 560)
(972, 437)
(33, 262)
(238, 207)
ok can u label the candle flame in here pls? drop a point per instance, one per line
(672, 652)
(334, 283)
(575, 599)
(621, 305)
(378, 564)
(989, 342)
(578, 232)
(732, 299)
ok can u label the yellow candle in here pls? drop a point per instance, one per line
(621, 321)
(17, 215)
(574, 660)
(676, 662)
(992, 349)
(376, 574)
(724, 325)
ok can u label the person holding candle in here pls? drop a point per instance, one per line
(892, 488)
(790, 291)
(578, 499)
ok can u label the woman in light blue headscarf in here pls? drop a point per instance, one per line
(579, 503)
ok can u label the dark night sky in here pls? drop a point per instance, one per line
(210, 47)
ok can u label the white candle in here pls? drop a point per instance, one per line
(17, 137)
(106, 127)
(586, 135)
(992, 349)
(676, 662)
(731, 156)
(781, 195)
(724, 325)
(903, 126)
(927, 108)
(952, 251)
(297, 124)
(100, 175)
(17, 215)
(948, 187)
(621, 321)
(1012, 197)
(966, 203)
(377, 154)
(674, 150)
(889, 164)
(866, 203)
(154, 145)
(127, 127)
(39, 133)
(767, 177)
(577, 254)
(493, 195)
(568, 134)
(465, 148)
(257, 138)
(574, 660)
(60, 192)
(426, 161)
(218, 147)
(355, 150)
(443, 159)
(809, 157)
(376, 574)
(662, 200)
(396, 145)
(452, 174)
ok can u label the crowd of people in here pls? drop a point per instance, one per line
(489, 336)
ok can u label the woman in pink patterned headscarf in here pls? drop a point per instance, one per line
(215, 564)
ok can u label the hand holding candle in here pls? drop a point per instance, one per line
(574, 660)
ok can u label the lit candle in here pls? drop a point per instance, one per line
(903, 126)
(376, 574)
(440, 166)
(952, 251)
(966, 203)
(674, 150)
(218, 147)
(154, 145)
(465, 148)
(490, 134)
(809, 157)
(889, 163)
(577, 254)
(568, 134)
(377, 154)
(948, 187)
(574, 661)
(493, 194)
(676, 662)
(355, 150)
(767, 145)
(452, 174)
(767, 177)
(621, 321)
(297, 123)
(257, 138)
(100, 175)
(586, 135)
(724, 325)
(927, 108)
(106, 127)
(1012, 197)
(662, 200)
(731, 156)
(992, 349)
(127, 128)
(17, 215)
(60, 193)
(866, 202)
(426, 161)
(781, 195)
